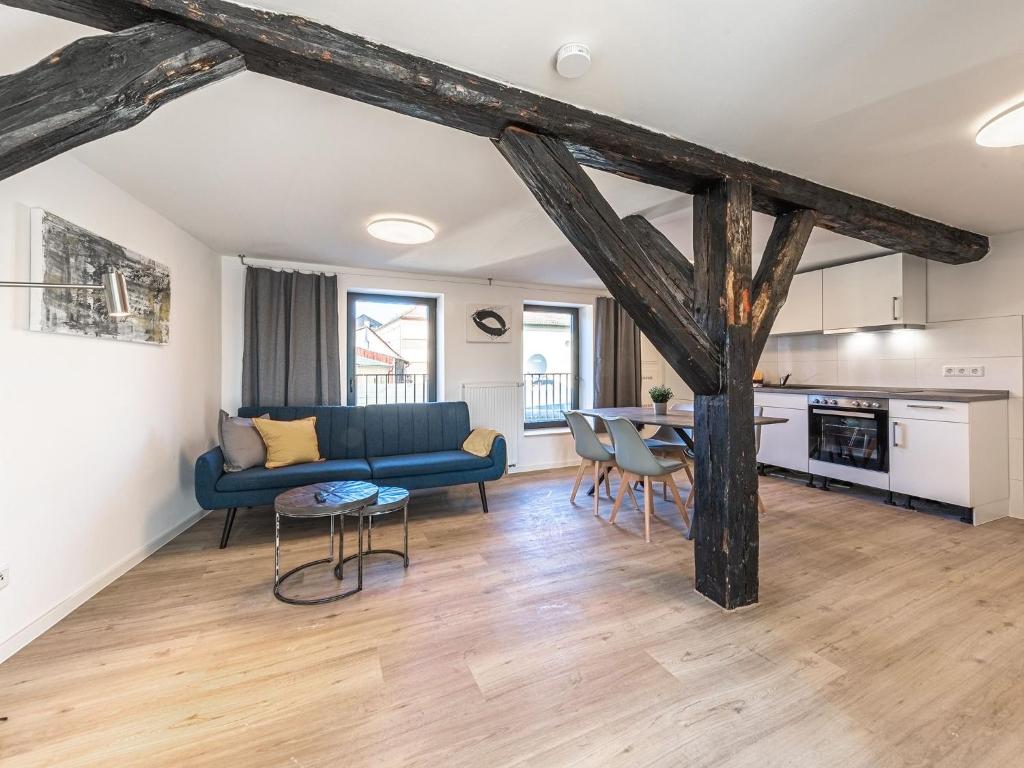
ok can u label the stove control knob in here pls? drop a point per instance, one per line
(833, 402)
(876, 405)
(856, 403)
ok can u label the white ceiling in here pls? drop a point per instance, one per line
(877, 97)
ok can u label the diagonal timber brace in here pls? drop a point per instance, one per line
(573, 202)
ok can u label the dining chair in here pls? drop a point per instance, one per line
(592, 452)
(758, 412)
(637, 461)
(668, 442)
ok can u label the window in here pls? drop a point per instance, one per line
(392, 344)
(551, 353)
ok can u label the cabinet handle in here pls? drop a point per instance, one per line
(894, 315)
(895, 443)
(927, 407)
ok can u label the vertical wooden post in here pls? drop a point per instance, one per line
(725, 523)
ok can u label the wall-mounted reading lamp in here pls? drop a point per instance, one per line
(112, 283)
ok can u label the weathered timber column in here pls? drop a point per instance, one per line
(725, 522)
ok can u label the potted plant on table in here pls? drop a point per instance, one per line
(660, 395)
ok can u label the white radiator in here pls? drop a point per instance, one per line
(497, 405)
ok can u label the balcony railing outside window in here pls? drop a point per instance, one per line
(379, 388)
(545, 396)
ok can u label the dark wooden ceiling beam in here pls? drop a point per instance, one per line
(100, 85)
(319, 56)
(775, 273)
(574, 203)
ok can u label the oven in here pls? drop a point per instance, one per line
(849, 437)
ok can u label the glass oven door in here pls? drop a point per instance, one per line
(853, 438)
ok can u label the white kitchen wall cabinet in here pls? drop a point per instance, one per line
(784, 445)
(955, 453)
(885, 292)
(802, 311)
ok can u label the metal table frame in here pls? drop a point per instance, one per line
(332, 513)
(369, 512)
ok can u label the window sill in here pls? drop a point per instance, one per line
(546, 431)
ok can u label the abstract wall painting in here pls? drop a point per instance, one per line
(489, 323)
(63, 252)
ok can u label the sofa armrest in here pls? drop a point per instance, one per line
(499, 453)
(209, 468)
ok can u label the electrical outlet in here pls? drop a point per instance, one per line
(949, 370)
(961, 370)
(976, 370)
(5, 575)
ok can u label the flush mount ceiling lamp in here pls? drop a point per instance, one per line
(573, 60)
(1004, 130)
(112, 283)
(403, 231)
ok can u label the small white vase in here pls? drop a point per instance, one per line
(660, 409)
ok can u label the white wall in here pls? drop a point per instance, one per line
(99, 436)
(461, 362)
(974, 317)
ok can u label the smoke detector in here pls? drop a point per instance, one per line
(573, 60)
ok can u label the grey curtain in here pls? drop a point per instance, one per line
(616, 356)
(291, 352)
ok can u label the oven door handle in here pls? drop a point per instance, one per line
(855, 414)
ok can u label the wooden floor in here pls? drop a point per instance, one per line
(541, 636)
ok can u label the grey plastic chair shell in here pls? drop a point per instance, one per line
(758, 411)
(587, 444)
(632, 454)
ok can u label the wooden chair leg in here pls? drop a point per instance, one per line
(623, 489)
(648, 504)
(608, 480)
(597, 485)
(760, 505)
(671, 483)
(624, 478)
(690, 497)
(579, 479)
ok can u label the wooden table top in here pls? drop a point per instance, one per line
(646, 415)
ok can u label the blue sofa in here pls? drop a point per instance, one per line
(410, 445)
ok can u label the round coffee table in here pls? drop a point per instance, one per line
(319, 500)
(389, 499)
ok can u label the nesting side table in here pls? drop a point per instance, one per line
(389, 499)
(319, 500)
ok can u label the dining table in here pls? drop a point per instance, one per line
(682, 420)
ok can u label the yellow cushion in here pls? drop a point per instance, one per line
(289, 442)
(480, 441)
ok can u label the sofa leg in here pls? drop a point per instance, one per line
(483, 496)
(229, 520)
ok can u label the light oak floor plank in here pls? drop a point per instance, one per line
(539, 635)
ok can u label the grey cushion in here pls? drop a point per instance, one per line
(241, 443)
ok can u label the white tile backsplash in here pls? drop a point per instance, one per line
(895, 373)
(812, 347)
(988, 337)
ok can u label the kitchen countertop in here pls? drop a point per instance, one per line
(894, 393)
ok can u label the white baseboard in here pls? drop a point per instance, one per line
(24, 636)
(540, 467)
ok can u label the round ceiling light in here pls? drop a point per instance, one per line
(1005, 130)
(402, 231)
(572, 60)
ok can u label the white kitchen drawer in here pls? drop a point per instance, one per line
(779, 400)
(928, 410)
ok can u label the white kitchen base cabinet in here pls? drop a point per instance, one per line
(955, 453)
(784, 445)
